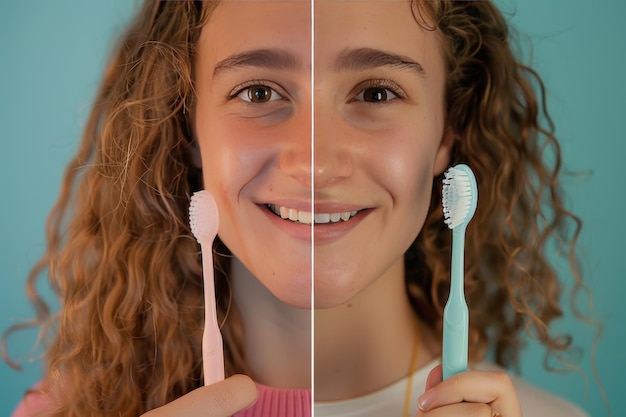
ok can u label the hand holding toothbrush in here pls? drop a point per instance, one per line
(451, 390)
(220, 399)
(469, 393)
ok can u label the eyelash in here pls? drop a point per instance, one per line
(384, 84)
(256, 83)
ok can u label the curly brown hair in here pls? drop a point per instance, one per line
(126, 266)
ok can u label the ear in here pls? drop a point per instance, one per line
(444, 153)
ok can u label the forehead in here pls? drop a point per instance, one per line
(386, 25)
(332, 26)
(240, 25)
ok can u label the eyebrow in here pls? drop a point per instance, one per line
(264, 58)
(367, 58)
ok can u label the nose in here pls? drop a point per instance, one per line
(331, 144)
(296, 155)
(321, 154)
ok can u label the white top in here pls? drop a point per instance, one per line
(389, 401)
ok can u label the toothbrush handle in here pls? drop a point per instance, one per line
(212, 356)
(455, 338)
(212, 345)
(456, 314)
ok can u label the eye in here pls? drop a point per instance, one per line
(377, 91)
(376, 95)
(258, 94)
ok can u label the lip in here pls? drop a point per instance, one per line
(323, 233)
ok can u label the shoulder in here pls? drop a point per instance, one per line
(537, 402)
(34, 403)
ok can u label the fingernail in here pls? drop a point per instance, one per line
(426, 399)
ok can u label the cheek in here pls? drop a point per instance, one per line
(405, 162)
(233, 155)
(239, 169)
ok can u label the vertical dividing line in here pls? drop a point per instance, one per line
(312, 74)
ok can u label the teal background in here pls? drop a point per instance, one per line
(51, 58)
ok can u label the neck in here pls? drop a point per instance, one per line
(277, 337)
(367, 343)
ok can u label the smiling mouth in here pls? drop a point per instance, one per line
(304, 217)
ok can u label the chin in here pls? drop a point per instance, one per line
(295, 298)
(299, 303)
(296, 292)
(340, 284)
(330, 292)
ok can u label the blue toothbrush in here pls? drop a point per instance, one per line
(459, 195)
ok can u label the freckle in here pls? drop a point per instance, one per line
(349, 305)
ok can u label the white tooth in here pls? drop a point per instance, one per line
(353, 213)
(293, 214)
(335, 217)
(284, 212)
(322, 218)
(304, 217)
(345, 216)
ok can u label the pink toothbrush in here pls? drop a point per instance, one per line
(204, 222)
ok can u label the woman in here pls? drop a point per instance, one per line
(401, 91)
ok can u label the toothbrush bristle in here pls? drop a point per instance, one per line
(459, 195)
(203, 216)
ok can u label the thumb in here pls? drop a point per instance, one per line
(221, 399)
(434, 377)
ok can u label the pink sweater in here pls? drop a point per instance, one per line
(272, 402)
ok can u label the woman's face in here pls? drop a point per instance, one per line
(379, 123)
(253, 124)
(377, 138)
